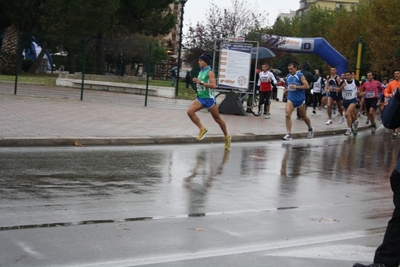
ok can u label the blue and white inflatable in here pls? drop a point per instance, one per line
(316, 45)
(34, 50)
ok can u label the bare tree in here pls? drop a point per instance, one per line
(221, 23)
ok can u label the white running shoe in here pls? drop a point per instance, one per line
(329, 122)
(287, 137)
(348, 132)
(310, 133)
(341, 120)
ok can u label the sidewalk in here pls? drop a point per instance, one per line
(44, 116)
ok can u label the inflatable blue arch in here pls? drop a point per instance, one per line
(316, 45)
(33, 50)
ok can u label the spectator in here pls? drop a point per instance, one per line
(265, 83)
(311, 79)
(174, 75)
(121, 64)
(188, 79)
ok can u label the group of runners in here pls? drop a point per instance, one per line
(351, 96)
(345, 92)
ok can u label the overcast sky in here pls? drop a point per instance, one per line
(195, 9)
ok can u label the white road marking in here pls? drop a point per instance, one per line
(286, 244)
(29, 250)
(331, 252)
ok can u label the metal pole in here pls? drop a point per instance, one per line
(180, 46)
(148, 75)
(255, 72)
(359, 56)
(84, 66)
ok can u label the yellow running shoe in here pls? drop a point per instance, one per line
(227, 142)
(202, 134)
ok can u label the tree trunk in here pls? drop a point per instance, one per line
(100, 60)
(71, 60)
(39, 58)
(8, 51)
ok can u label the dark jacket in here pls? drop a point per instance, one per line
(121, 61)
(188, 79)
(391, 113)
(174, 72)
(391, 118)
(308, 75)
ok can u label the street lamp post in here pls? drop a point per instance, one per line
(183, 2)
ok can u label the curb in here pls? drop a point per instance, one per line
(152, 140)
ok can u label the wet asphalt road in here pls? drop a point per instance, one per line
(320, 202)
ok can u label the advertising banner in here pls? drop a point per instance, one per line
(234, 66)
(290, 44)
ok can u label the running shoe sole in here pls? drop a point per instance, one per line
(202, 135)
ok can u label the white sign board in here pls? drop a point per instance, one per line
(234, 66)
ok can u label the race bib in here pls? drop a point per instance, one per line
(292, 87)
(200, 87)
(370, 94)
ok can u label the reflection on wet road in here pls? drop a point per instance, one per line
(44, 187)
(321, 202)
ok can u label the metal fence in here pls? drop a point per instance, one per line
(101, 63)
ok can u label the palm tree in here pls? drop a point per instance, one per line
(8, 51)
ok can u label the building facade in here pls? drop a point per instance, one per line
(333, 5)
(305, 5)
(289, 15)
(171, 40)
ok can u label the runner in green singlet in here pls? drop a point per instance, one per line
(206, 84)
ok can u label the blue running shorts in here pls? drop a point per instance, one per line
(206, 102)
(297, 103)
(347, 102)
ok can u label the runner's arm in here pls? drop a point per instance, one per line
(340, 88)
(273, 78)
(305, 85)
(388, 90)
(358, 89)
(211, 80)
(362, 90)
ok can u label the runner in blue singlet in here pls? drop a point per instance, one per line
(296, 98)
